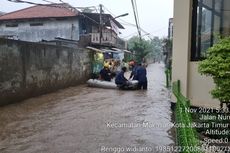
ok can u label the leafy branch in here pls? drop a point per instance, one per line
(217, 65)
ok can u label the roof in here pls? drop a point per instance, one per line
(1, 13)
(106, 18)
(95, 49)
(41, 11)
(111, 51)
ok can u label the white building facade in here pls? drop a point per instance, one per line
(196, 25)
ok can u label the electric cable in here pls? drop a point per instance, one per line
(136, 20)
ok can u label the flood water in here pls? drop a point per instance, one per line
(90, 120)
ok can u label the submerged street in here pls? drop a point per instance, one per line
(82, 119)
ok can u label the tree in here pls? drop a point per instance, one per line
(156, 44)
(148, 49)
(167, 50)
(141, 48)
(217, 65)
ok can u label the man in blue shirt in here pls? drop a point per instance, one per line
(120, 79)
(133, 74)
(105, 73)
(142, 77)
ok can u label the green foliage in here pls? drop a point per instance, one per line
(141, 50)
(156, 44)
(168, 74)
(217, 65)
(139, 47)
(145, 48)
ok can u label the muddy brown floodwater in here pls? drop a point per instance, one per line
(91, 120)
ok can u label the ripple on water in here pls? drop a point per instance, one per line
(74, 119)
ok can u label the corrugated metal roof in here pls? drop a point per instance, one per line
(106, 18)
(41, 11)
(95, 49)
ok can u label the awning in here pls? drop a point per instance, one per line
(117, 49)
(127, 51)
(122, 50)
(95, 49)
(111, 51)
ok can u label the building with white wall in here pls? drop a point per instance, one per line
(42, 22)
(51, 21)
(196, 24)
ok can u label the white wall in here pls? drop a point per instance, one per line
(200, 87)
(181, 42)
(194, 86)
(68, 29)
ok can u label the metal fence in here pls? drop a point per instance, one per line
(168, 74)
(187, 140)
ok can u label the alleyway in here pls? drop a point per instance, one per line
(90, 120)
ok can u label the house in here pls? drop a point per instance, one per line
(41, 22)
(196, 25)
(62, 21)
(89, 24)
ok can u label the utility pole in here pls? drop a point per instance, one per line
(101, 24)
(136, 19)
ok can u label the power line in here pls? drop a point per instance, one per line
(131, 24)
(136, 11)
(136, 20)
(22, 1)
(109, 11)
(127, 23)
(48, 1)
(88, 7)
(148, 34)
(135, 2)
(160, 29)
(89, 18)
(129, 35)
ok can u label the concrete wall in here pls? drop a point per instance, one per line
(66, 28)
(30, 69)
(200, 87)
(181, 42)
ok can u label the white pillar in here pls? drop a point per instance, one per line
(182, 24)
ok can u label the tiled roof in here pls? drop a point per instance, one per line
(1, 13)
(41, 11)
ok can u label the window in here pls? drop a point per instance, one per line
(211, 18)
(11, 25)
(36, 24)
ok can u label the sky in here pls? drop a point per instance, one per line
(153, 14)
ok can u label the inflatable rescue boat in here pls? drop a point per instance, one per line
(110, 84)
